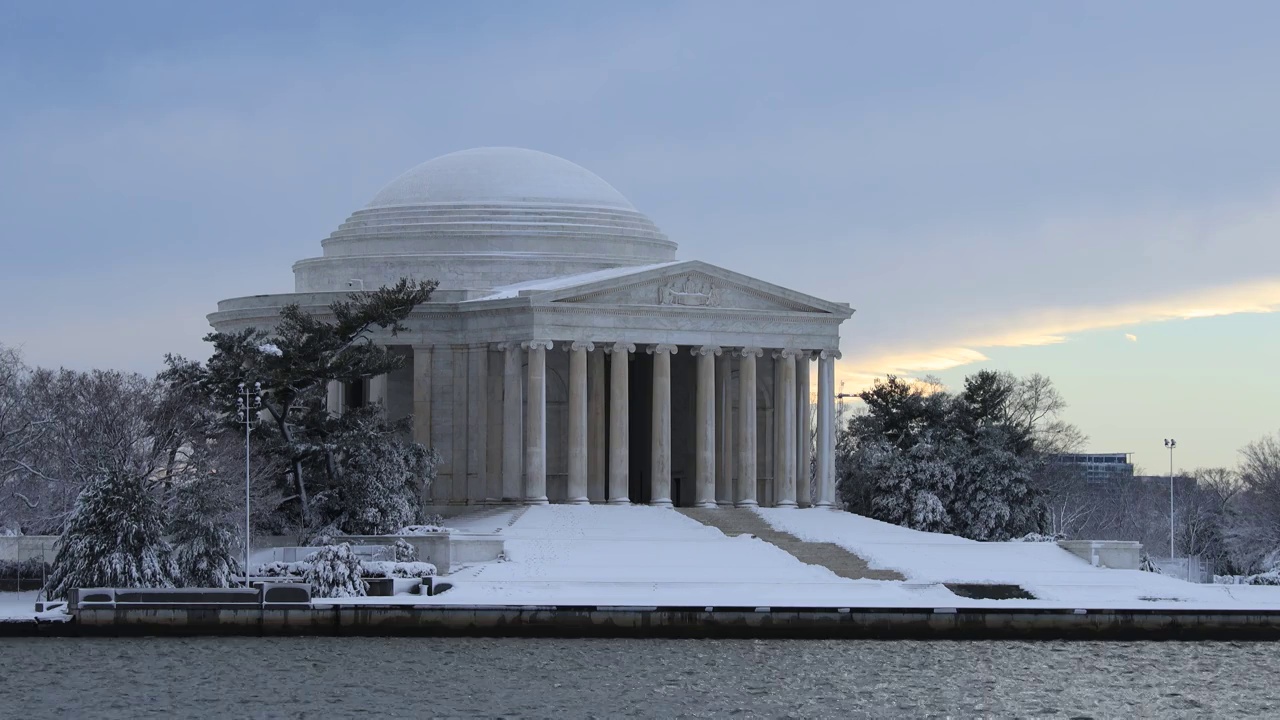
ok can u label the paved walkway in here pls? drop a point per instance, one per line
(741, 521)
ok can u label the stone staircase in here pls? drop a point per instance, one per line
(742, 521)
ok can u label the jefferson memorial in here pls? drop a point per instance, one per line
(567, 355)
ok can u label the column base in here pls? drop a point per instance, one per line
(536, 501)
(785, 504)
(578, 501)
(620, 501)
(826, 506)
(661, 502)
(747, 504)
(708, 504)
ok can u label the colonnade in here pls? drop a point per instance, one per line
(726, 458)
(713, 486)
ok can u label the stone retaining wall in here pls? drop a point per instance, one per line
(674, 622)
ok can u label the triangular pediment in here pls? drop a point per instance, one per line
(692, 284)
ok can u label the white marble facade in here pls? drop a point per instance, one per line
(567, 356)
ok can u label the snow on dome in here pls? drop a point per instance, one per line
(499, 174)
(485, 218)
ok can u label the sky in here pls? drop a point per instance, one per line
(1086, 190)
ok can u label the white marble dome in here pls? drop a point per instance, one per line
(499, 174)
(484, 218)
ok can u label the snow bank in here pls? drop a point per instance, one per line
(1056, 577)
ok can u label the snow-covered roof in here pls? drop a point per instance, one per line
(558, 283)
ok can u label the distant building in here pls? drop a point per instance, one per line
(1099, 467)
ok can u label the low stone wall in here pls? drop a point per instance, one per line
(1114, 554)
(446, 550)
(674, 622)
(28, 547)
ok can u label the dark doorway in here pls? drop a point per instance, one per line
(640, 398)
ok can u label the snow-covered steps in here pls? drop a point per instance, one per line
(741, 521)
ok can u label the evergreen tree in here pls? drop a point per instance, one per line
(379, 475)
(112, 539)
(208, 545)
(926, 459)
(335, 572)
(294, 363)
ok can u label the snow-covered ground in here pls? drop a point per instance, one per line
(21, 606)
(644, 556)
(1056, 577)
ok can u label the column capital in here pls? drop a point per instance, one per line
(829, 354)
(662, 348)
(507, 346)
(706, 350)
(749, 351)
(537, 345)
(579, 345)
(622, 347)
(788, 352)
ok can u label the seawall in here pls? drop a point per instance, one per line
(666, 622)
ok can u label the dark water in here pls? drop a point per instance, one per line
(403, 677)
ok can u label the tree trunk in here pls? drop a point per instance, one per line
(299, 483)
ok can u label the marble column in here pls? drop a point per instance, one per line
(619, 424)
(578, 422)
(597, 451)
(422, 394)
(724, 432)
(785, 474)
(660, 459)
(333, 401)
(705, 427)
(746, 495)
(477, 424)
(512, 423)
(826, 429)
(378, 393)
(804, 432)
(535, 447)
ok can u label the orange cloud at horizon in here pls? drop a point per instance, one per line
(1051, 326)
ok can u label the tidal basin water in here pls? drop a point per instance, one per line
(523, 678)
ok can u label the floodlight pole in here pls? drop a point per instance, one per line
(249, 402)
(1171, 444)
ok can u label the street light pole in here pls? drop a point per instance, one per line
(1171, 444)
(249, 403)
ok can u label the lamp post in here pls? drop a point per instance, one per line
(248, 404)
(1171, 444)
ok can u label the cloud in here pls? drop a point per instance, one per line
(1054, 325)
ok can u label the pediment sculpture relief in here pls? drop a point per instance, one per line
(691, 291)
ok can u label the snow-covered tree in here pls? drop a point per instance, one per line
(113, 539)
(335, 572)
(379, 476)
(913, 486)
(405, 552)
(207, 541)
(1253, 530)
(923, 458)
(294, 363)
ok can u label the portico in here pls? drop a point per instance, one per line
(604, 371)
